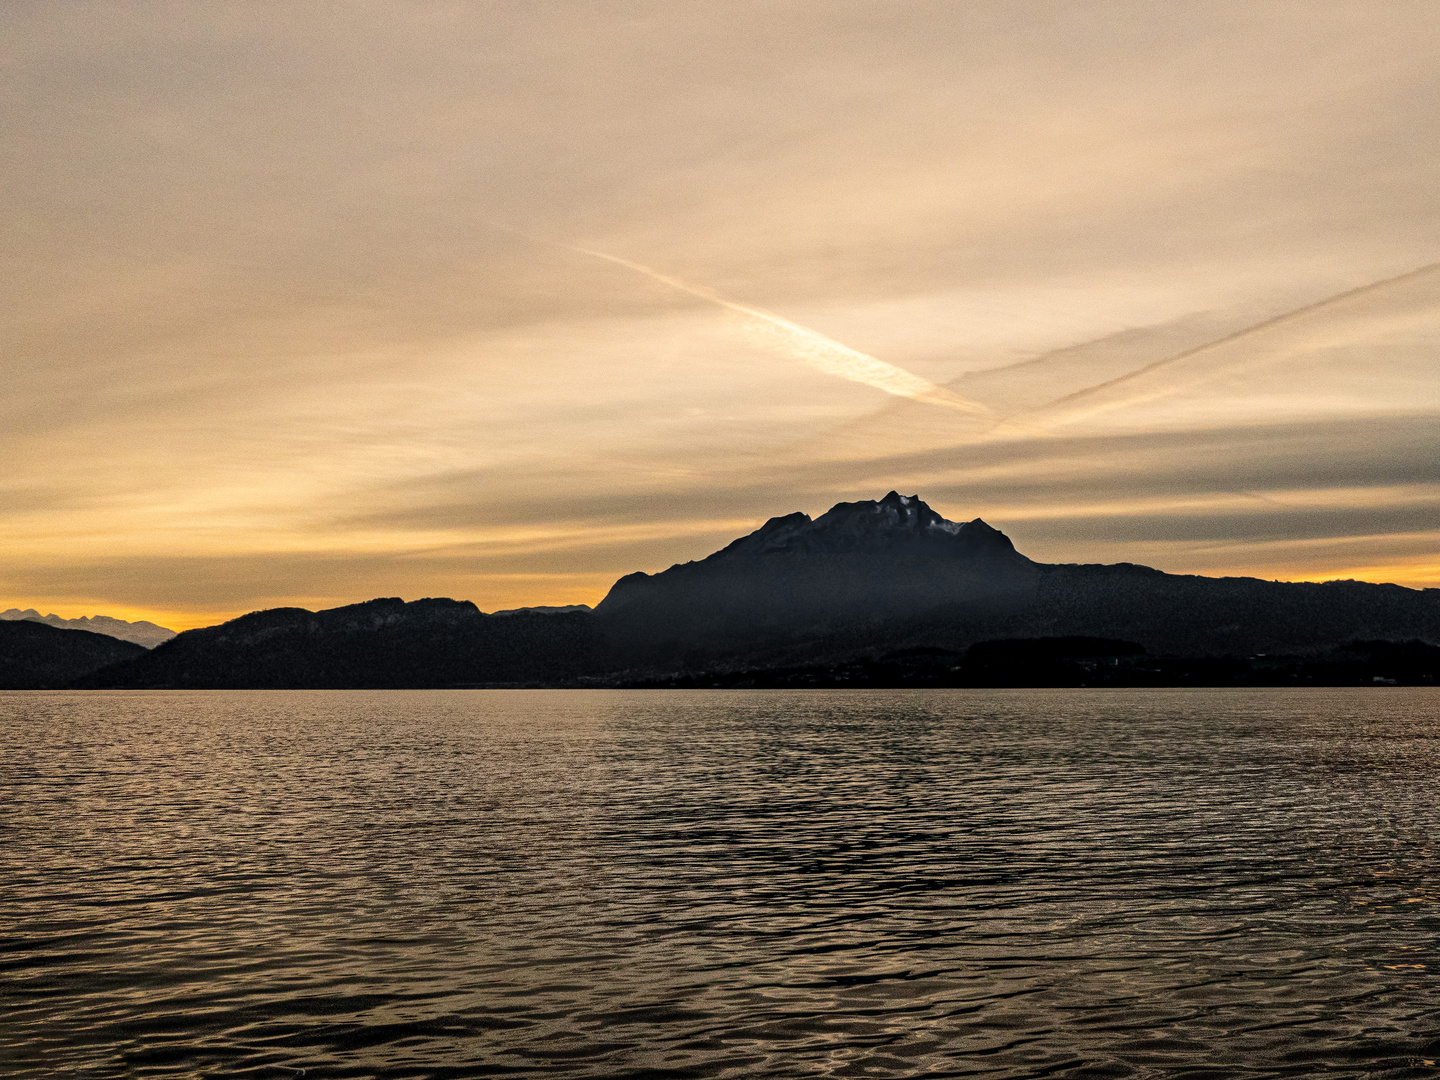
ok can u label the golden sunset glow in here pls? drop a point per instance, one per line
(501, 302)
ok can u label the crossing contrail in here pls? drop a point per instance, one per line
(817, 350)
(1091, 401)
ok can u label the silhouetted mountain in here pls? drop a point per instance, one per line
(381, 643)
(141, 633)
(888, 589)
(893, 574)
(855, 576)
(36, 656)
(1189, 615)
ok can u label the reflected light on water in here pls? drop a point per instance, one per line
(678, 884)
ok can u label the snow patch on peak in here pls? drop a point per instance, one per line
(140, 633)
(869, 525)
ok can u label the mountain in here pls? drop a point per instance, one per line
(1188, 615)
(893, 574)
(36, 656)
(141, 633)
(384, 643)
(883, 590)
(860, 573)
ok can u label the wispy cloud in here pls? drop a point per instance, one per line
(262, 343)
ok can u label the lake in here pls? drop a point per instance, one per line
(1061, 883)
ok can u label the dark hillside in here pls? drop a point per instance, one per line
(1195, 616)
(36, 656)
(378, 644)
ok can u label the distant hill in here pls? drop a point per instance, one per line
(837, 598)
(384, 643)
(141, 633)
(36, 656)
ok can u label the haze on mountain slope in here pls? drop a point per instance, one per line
(140, 633)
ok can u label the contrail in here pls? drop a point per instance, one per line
(817, 350)
(1076, 410)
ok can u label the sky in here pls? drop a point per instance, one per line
(305, 304)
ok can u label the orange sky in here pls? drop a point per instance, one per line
(308, 304)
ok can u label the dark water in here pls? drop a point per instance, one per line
(942, 883)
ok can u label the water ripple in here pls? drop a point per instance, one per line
(709, 884)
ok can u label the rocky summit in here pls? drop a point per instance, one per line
(877, 526)
(848, 576)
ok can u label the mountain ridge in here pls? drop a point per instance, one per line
(37, 656)
(866, 579)
(144, 633)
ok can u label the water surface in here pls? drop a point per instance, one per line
(692, 884)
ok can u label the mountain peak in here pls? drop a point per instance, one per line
(857, 565)
(896, 520)
(140, 633)
(894, 511)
